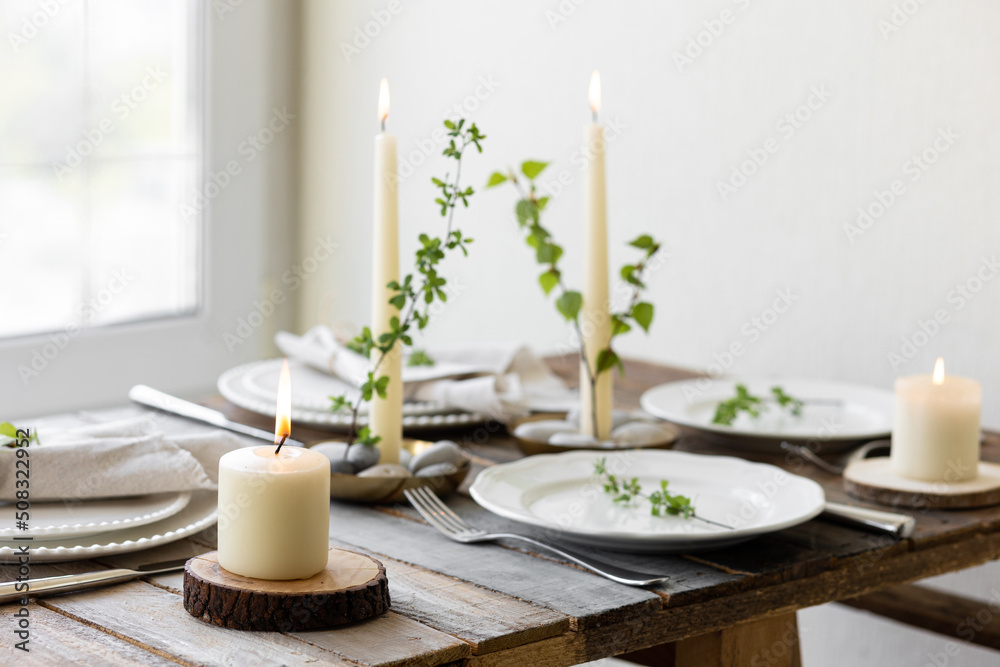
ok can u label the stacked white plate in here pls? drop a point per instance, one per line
(254, 387)
(71, 530)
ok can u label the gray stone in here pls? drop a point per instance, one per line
(641, 433)
(543, 429)
(573, 440)
(437, 470)
(444, 451)
(363, 456)
(332, 450)
(342, 466)
(385, 470)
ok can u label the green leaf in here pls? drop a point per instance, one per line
(569, 304)
(419, 358)
(542, 202)
(549, 280)
(525, 211)
(619, 326)
(642, 313)
(380, 385)
(644, 242)
(8, 429)
(450, 125)
(338, 403)
(496, 178)
(608, 359)
(548, 253)
(532, 168)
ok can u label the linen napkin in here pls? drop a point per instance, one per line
(130, 457)
(501, 380)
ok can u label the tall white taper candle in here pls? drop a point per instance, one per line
(386, 414)
(596, 319)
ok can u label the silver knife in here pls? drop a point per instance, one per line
(899, 525)
(156, 399)
(16, 590)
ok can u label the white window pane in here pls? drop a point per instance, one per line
(142, 260)
(99, 143)
(41, 241)
(42, 77)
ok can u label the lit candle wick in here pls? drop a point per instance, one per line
(283, 438)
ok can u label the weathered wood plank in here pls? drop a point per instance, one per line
(689, 579)
(950, 615)
(677, 623)
(389, 641)
(486, 620)
(156, 618)
(586, 598)
(60, 640)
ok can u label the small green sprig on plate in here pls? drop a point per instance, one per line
(626, 491)
(727, 411)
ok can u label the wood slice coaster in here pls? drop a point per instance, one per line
(353, 587)
(872, 480)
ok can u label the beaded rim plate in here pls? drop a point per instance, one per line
(232, 385)
(200, 513)
(59, 519)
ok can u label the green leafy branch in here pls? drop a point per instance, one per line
(414, 296)
(727, 411)
(528, 211)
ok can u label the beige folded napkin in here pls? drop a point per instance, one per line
(130, 457)
(500, 380)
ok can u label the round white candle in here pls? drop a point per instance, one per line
(274, 512)
(385, 417)
(595, 319)
(936, 432)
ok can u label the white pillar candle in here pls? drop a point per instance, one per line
(274, 512)
(385, 417)
(936, 432)
(596, 319)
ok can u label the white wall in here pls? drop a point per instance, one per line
(684, 131)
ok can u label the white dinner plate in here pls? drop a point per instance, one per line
(59, 519)
(254, 387)
(200, 513)
(836, 415)
(560, 493)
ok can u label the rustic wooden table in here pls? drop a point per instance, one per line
(499, 605)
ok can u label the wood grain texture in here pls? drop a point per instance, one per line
(486, 620)
(352, 588)
(950, 615)
(390, 640)
(59, 640)
(155, 619)
(873, 481)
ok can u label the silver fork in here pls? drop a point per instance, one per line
(454, 527)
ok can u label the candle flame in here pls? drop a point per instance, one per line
(383, 100)
(595, 91)
(283, 416)
(939, 371)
